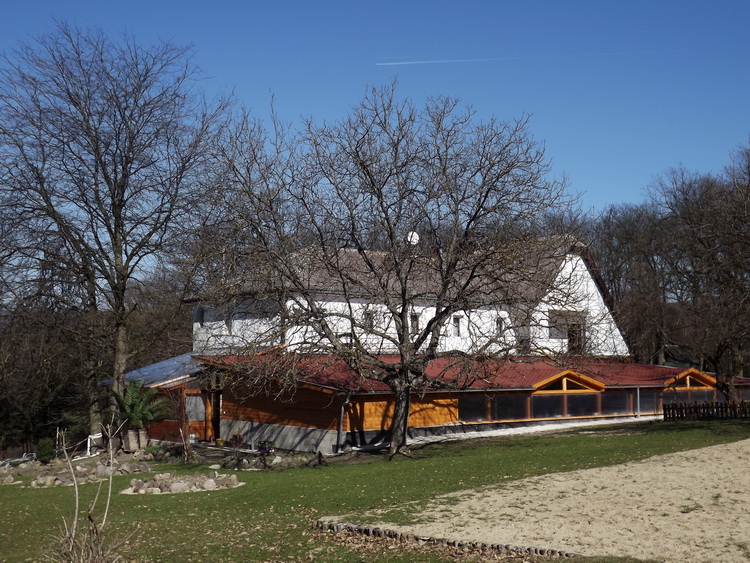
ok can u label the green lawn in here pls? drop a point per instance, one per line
(269, 518)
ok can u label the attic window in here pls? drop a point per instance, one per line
(570, 326)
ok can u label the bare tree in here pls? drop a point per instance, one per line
(417, 218)
(628, 243)
(678, 267)
(708, 261)
(102, 150)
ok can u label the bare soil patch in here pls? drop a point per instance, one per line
(691, 506)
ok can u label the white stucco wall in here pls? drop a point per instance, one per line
(247, 326)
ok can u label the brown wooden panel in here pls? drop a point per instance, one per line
(366, 413)
(306, 408)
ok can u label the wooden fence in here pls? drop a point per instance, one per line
(707, 411)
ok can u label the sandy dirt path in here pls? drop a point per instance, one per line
(689, 506)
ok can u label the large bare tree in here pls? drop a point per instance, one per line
(102, 149)
(414, 216)
(708, 261)
(678, 268)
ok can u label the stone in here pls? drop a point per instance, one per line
(209, 485)
(178, 487)
(153, 491)
(215, 466)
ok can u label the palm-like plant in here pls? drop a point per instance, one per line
(139, 405)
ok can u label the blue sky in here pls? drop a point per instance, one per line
(619, 91)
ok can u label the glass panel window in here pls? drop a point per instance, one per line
(649, 401)
(546, 406)
(472, 409)
(584, 404)
(195, 409)
(505, 407)
(615, 403)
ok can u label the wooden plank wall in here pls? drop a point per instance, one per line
(375, 413)
(306, 408)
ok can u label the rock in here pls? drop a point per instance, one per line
(126, 468)
(210, 485)
(145, 467)
(179, 487)
(215, 466)
(49, 481)
(276, 460)
(7, 479)
(101, 471)
(153, 491)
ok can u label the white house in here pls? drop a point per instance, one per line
(565, 313)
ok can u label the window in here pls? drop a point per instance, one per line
(368, 320)
(199, 315)
(499, 326)
(414, 324)
(456, 326)
(472, 408)
(570, 326)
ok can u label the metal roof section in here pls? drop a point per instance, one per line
(167, 373)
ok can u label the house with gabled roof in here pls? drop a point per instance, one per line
(528, 352)
(554, 304)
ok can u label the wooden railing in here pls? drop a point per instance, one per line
(707, 411)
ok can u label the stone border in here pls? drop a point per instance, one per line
(500, 549)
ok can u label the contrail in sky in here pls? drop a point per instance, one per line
(521, 58)
(444, 61)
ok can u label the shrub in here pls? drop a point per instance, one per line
(45, 450)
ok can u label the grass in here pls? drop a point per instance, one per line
(269, 518)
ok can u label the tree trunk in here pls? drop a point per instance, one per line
(726, 386)
(400, 422)
(120, 358)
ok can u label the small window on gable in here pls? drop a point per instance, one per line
(499, 326)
